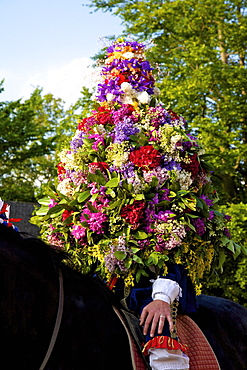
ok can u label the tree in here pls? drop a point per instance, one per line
(27, 144)
(32, 132)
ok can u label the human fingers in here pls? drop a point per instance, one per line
(143, 316)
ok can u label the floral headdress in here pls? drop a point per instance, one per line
(134, 188)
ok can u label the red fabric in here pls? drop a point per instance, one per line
(199, 351)
(163, 342)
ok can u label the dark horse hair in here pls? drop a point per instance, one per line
(91, 335)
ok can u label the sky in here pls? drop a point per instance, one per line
(48, 44)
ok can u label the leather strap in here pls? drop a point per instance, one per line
(57, 323)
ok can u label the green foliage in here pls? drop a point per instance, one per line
(27, 144)
(31, 133)
(232, 282)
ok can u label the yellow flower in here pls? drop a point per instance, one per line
(129, 280)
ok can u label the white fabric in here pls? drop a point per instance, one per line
(166, 290)
(165, 359)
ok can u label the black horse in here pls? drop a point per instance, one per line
(91, 335)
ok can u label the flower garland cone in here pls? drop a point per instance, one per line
(134, 189)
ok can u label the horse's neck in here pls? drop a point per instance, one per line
(29, 312)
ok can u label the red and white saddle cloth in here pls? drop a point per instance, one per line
(197, 347)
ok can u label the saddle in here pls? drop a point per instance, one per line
(199, 350)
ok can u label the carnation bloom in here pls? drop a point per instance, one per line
(102, 166)
(147, 157)
(133, 213)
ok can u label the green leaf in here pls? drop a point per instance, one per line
(139, 197)
(84, 224)
(139, 273)
(128, 263)
(92, 208)
(113, 183)
(57, 208)
(137, 259)
(120, 255)
(230, 246)
(115, 204)
(222, 258)
(110, 192)
(44, 201)
(140, 235)
(42, 211)
(83, 196)
(154, 182)
(68, 220)
(135, 250)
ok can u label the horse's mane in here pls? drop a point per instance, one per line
(33, 247)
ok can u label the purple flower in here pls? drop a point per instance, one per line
(165, 194)
(227, 217)
(227, 233)
(95, 220)
(170, 164)
(78, 231)
(211, 215)
(98, 140)
(165, 215)
(208, 201)
(128, 170)
(200, 226)
(77, 141)
(120, 46)
(123, 130)
(52, 203)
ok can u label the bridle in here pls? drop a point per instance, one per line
(57, 323)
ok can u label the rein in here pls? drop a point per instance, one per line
(57, 323)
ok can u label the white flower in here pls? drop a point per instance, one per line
(127, 99)
(126, 87)
(174, 140)
(143, 97)
(128, 55)
(156, 91)
(184, 179)
(100, 129)
(110, 97)
(68, 159)
(65, 187)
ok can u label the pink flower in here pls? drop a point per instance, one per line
(78, 231)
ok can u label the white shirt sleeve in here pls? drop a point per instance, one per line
(166, 290)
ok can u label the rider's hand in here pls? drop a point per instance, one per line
(154, 315)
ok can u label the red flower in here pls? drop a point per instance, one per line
(121, 79)
(104, 116)
(60, 168)
(173, 115)
(66, 214)
(102, 166)
(193, 166)
(133, 213)
(147, 157)
(85, 124)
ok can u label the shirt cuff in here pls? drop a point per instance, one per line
(166, 290)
